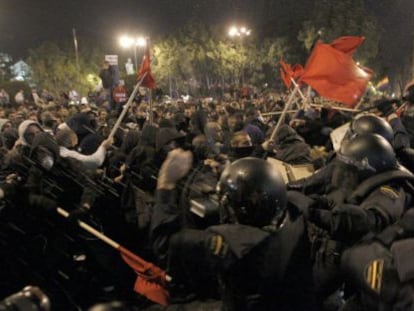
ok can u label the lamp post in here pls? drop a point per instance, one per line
(240, 32)
(128, 42)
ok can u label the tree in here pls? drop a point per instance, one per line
(266, 59)
(197, 58)
(54, 68)
(336, 18)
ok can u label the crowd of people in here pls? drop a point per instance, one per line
(188, 186)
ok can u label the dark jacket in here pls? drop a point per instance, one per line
(389, 253)
(106, 77)
(291, 148)
(66, 183)
(259, 268)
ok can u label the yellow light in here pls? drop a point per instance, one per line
(126, 41)
(239, 32)
(234, 31)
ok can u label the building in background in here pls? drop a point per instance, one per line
(20, 71)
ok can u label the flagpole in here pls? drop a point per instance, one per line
(308, 95)
(275, 113)
(151, 103)
(265, 114)
(126, 106)
(362, 98)
(300, 93)
(100, 235)
(337, 108)
(282, 116)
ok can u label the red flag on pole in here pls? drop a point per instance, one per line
(151, 280)
(148, 81)
(335, 75)
(347, 44)
(287, 73)
(297, 71)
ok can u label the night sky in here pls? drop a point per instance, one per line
(26, 24)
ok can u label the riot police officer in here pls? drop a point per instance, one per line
(379, 270)
(260, 252)
(369, 191)
(361, 125)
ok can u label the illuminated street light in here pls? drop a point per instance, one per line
(240, 32)
(128, 42)
(233, 31)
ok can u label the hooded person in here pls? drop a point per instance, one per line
(55, 181)
(131, 140)
(139, 176)
(118, 158)
(62, 182)
(17, 160)
(82, 123)
(5, 124)
(240, 146)
(67, 140)
(90, 143)
(140, 164)
(167, 139)
(181, 122)
(9, 138)
(27, 131)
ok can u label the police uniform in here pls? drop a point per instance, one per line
(347, 216)
(257, 268)
(380, 271)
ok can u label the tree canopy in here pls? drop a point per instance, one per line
(199, 57)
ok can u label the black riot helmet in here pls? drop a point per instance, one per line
(252, 193)
(369, 154)
(371, 124)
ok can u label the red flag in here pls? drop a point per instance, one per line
(297, 71)
(347, 44)
(151, 280)
(335, 75)
(288, 73)
(148, 81)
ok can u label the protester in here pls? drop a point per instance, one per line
(250, 246)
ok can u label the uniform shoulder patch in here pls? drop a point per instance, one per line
(390, 192)
(218, 246)
(374, 274)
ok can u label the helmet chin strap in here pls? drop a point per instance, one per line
(227, 214)
(278, 222)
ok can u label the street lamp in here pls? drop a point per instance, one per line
(241, 32)
(128, 42)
